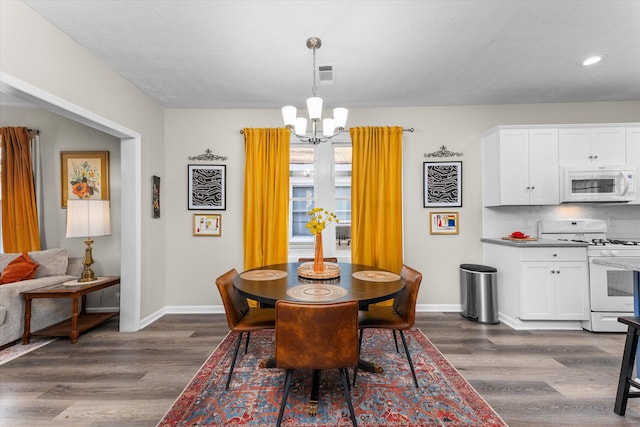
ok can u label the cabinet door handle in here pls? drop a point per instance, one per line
(533, 188)
(590, 157)
(555, 255)
(595, 157)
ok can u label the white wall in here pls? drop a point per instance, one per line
(59, 134)
(190, 132)
(42, 57)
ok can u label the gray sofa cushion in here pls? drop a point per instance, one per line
(53, 262)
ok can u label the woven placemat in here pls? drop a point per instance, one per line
(263, 274)
(376, 276)
(317, 292)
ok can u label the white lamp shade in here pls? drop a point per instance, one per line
(88, 218)
(301, 126)
(289, 115)
(314, 105)
(340, 117)
(328, 127)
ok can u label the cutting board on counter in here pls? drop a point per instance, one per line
(520, 238)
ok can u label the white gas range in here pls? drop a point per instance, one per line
(610, 288)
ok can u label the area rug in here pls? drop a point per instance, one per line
(390, 398)
(18, 349)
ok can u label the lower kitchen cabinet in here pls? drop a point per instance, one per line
(540, 286)
(554, 290)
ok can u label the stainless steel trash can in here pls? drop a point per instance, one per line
(478, 293)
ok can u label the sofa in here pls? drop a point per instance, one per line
(54, 267)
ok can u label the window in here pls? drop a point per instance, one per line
(311, 168)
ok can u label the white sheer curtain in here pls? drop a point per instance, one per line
(36, 162)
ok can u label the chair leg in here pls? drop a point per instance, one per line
(287, 386)
(355, 370)
(395, 339)
(626, 371)
(246, 345)
(406, 350)
(347, 395)
(233, 360)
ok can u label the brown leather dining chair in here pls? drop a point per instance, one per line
(316, 336)
(329, 259)
(399, 317)
(240, 317)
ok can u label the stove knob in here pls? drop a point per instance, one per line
(614, 253)
(605, 253)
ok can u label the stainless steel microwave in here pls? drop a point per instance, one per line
(604, 184)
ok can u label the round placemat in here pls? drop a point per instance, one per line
(263, 274)
(317, 292)
(375, 276)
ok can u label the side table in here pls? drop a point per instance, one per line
(79, 321)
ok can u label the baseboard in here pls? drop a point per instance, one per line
(537, 325)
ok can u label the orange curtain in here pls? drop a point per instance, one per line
(376, 197)
(20, 231)
(266, 197)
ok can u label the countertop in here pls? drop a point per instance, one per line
(628, 263)
(540, 243)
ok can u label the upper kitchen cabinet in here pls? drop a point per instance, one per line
(520, 167)
(633, 156)
(598, 146)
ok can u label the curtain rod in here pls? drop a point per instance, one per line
(403, 130)
(36, 131)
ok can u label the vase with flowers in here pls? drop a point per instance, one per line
(319, 219)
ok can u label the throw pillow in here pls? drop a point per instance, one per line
(53, 262)
(21, 268)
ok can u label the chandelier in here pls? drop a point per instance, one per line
(298, 125)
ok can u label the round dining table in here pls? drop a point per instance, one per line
(363, 283)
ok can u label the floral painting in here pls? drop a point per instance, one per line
(85, 175)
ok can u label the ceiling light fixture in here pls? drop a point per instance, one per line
(298, 125)
(592, 60)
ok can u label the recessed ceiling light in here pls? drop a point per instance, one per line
(593, 60)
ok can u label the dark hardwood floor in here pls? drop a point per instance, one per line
(541, 378)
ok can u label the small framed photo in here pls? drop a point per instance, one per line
(207, 187)
(442, 184)
(207, 225)
(84, 175)
(155, 196)
(443, 223)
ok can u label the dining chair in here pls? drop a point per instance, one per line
(398, 317)
(316, 336)
(240, 317)
(329, 259)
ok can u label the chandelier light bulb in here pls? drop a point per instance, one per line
(314, 105)
(289, 115)
(301, 126)
(340, 117)
(328, 127)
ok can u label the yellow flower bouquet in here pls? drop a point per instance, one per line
(319, 220)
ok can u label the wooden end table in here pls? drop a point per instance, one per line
(79, 321)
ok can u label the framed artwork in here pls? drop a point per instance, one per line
(442, 184)
(84, 175)
(443, 223)
(207, 225)
(207, 184)
(155, 196)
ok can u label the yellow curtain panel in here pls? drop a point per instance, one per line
(20, 231)
(376, 197)
(266, 197)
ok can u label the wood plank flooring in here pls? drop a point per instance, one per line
(541, 378)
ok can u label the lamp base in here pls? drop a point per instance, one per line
(87, 273)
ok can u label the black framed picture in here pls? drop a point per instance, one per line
(442, 184)
(207, 187)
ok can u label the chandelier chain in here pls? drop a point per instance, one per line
(314, 89)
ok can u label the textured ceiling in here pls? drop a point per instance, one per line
(252, 54)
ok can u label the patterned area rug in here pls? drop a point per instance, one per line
(386, 399)
(18, 349)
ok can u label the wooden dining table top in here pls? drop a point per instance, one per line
(275, 288)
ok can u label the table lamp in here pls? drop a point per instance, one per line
(88, 218)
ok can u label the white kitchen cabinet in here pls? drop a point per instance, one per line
(540, 286)
(633, 157)
(520, 167)
(554, 291)
(599, 146)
